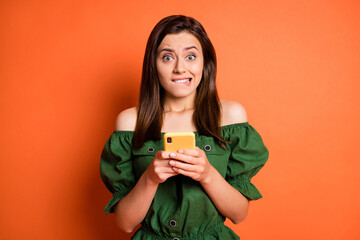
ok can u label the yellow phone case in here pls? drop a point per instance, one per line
(173, 141)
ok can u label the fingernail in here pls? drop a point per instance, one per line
(181, 151)
(175, 169)
(172, 155)
(172, 163)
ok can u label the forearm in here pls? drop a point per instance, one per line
(228, 200)
(132, 209)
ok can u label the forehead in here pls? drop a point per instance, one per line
(180, 40)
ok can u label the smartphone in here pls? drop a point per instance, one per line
(173, 141)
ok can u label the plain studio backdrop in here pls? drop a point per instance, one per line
(67, 68)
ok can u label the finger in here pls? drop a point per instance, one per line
(184, 158)
(163, 155)
(165, 172)
(192, 175)
(168, 169)
(171, 173)
(197, 152)
(162, 165)
(183, 166)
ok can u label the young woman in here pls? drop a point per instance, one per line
(189, 193)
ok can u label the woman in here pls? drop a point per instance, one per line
(189, 193)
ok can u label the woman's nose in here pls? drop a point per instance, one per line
(179, 66)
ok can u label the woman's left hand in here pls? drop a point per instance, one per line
(191, 163)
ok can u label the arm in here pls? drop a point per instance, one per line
(223, 195)
(132, 208)
(194, 164)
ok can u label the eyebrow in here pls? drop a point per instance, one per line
(171, 50)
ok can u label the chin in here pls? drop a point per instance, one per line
(181, 94)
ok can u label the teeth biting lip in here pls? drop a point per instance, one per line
(184, 80)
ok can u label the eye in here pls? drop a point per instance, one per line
(191, 57)
(167, 58)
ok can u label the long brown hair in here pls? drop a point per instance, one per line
(207, 112)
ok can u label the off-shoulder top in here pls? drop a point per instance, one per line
(181, 209)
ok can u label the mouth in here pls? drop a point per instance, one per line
(183, 80)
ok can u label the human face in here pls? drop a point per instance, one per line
(179, 64)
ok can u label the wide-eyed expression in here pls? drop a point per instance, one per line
(180, 64)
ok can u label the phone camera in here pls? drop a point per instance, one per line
(169, 140)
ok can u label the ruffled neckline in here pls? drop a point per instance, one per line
(225, 127)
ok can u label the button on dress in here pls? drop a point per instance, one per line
(181, 209)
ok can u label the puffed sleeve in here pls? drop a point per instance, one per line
(248, 156)
(116, 167)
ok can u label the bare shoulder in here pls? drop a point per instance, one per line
(232, 112)
(126, 120)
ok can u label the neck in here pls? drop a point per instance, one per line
(172, 104)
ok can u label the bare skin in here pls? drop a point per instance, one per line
(184, 60)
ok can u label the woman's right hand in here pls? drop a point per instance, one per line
(160, 170)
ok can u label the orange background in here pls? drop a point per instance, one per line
(67, 68)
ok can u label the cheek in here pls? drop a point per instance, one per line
(197, 69)
(162, 69)
(163, 74)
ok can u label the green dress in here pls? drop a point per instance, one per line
(181, 209)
